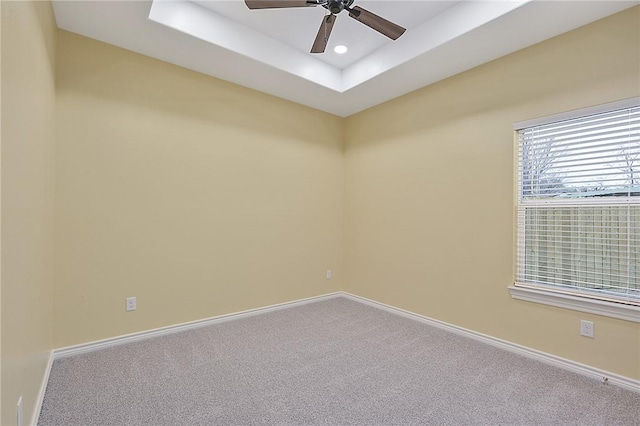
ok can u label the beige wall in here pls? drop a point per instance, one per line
(202, 198)
(430, 184)
(28, 103)
(195, 195)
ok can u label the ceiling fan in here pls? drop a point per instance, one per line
(387, 28)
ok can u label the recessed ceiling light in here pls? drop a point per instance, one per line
(340, 49)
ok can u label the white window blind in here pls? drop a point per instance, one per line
(579, 206)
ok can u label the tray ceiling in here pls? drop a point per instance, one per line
(268, 50)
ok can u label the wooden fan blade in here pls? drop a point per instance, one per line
(374, 21)
(323, 34)
(277, 4)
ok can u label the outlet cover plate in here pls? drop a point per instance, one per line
(131, 304)
(586, 328)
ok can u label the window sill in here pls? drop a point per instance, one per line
(598, 307)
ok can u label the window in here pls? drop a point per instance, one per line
(579, 207)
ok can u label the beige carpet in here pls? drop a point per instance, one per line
(333, 362)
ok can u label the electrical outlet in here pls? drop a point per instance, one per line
(329, 274)
(19, 412)
(586, 328)
(131, 304)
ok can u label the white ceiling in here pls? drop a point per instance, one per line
(298, 27)
(267, 50)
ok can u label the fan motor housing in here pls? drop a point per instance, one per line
(337, 6)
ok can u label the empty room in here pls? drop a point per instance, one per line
(320, 212)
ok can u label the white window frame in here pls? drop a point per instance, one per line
(550, 297)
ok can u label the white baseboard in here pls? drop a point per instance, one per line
(147, 334)
(43, 387)
(576, 367)
(609, 377)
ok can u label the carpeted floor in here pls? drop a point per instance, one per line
(332, 362)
